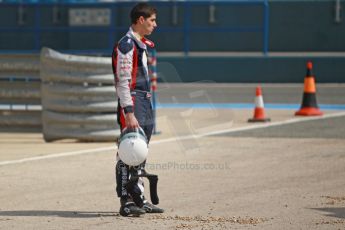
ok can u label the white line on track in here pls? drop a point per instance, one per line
(113, 147)
(57, 155)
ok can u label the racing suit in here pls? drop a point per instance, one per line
(132, 82)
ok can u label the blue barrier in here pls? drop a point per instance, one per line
(187, 28)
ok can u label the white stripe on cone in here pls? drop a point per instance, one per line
(259, 102)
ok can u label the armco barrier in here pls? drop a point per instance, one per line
(20, 93)
(78, 97)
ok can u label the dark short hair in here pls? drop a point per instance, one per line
(142, 9)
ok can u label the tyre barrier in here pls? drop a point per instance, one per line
(78, 97)
(20, 96)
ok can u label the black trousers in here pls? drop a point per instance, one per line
(144, 115)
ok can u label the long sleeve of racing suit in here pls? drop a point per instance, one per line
(124, 68)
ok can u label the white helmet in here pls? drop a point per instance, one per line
(133, 147)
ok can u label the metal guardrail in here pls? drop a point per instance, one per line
(64, 96)
(187, 28)
(67, 96)
(20, 96)
(78, 97)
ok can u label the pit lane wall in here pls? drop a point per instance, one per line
(252, 68)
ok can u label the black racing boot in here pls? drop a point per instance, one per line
(129, 208)
(150, 208)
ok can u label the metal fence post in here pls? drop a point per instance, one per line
(153, 75)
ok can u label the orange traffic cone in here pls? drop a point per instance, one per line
(309, 105)
(259, 112)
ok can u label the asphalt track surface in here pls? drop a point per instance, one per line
(216, 171)
(330, 128)
(210, 92)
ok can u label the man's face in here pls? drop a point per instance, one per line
(148, 24)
